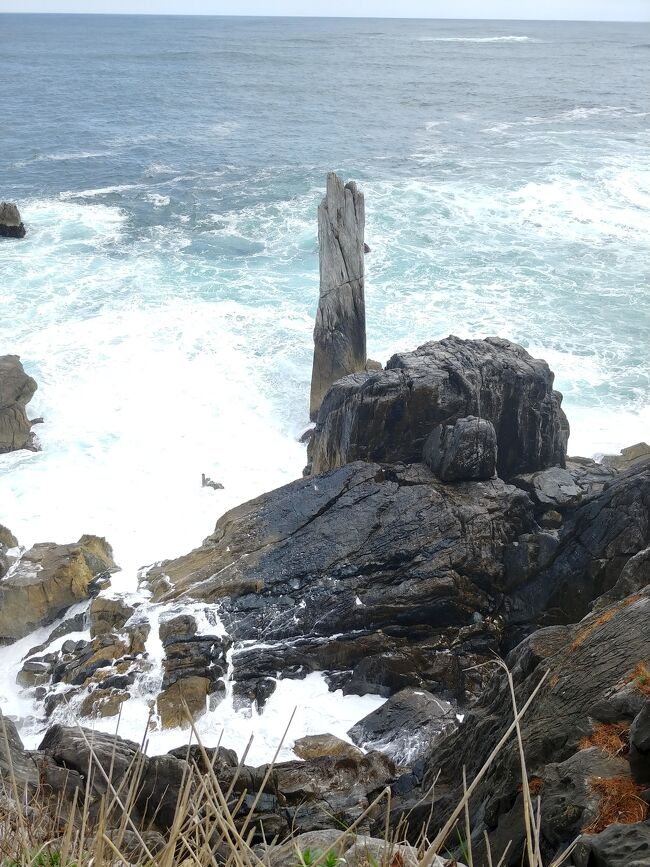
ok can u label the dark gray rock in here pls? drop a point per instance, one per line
(463, 451)
(340, 331)
(406, 726)
(386, 416)
(587, 662)
(16, 391)
(616, 846)
(554, 488)
(640, 745)
(11, 225)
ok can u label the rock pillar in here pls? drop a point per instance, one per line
(340, 331)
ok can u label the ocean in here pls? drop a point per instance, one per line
(168, 170)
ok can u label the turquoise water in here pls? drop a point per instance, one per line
(169, 169)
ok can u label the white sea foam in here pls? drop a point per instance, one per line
(476, 39)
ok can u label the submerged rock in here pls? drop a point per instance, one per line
(340, 331)
(16, 391)
(11, 225)
(48, 579)
(386, 416)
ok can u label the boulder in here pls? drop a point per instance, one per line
(616, 846)
(386, 416)
(16, 391)
(11, 225)
(554, 488)
(636, 454)
(315, 746)
(340, 331)
(463, 451)
(48, 579)
(108, 614)
(193, 669)
(406, 726)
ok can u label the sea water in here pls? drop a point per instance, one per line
(168, 171)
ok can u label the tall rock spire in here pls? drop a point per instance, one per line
(340, 331)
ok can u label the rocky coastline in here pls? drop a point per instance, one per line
(440, 525)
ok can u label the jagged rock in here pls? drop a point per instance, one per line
(315, 746)
(340, 331)
(640, 745)
(553, 488)
(387, 415)
(11, 225)
(616, 846)
(103, 703)
(183, 701)
(463, 451)
(413, 558)
(193, 669)
(587, 663)
(593, 546)
(406, 726)
(107, 615)
(7, 542)
(159, 778)
(16, 391)
(7, 538)
(636, 454)
(47, 580)
(634, 576)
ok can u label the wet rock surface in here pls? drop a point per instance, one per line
(406, 726)
(571, 762)
(11, 224)
(47, 580)
(16, 390)
(463, 451)
(386, 416)
(340, 330)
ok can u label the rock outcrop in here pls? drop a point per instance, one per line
(16, 390)
(340, 331)
(592, 703)
(386, 416)
(47, 580)
(11, 225)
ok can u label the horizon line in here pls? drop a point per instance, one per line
(334, 17)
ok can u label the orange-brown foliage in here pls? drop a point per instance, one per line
(592, 626)
(611, 738)
(640, 678)
(602, 618)
(620, 803)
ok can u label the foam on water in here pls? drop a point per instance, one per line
(165, 293)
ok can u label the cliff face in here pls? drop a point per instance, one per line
(340, 332)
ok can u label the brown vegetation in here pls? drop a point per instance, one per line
(620, 803)
(640, 678)
(611, 738)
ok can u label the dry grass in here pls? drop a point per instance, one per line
(612, 738)
(604, 617)
(211, 826)
(620, 803)
(640, 678)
